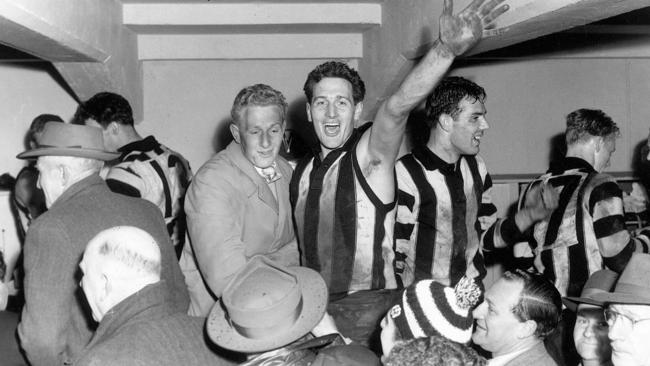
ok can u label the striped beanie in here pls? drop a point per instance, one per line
(429, 308)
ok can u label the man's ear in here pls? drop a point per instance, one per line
(113, 128)
(64, 173)
(308, 106)
(446, 122)
(526, 329)
(358, 109)
(234, 130)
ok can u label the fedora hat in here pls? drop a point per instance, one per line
(64, 139)
(599, 282)
(267, 306)
(633, 287)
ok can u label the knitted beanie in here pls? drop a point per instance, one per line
(429, 308)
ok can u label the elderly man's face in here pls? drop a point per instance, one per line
(50, 179)
(590, 334)
(629, 331)
(497, 328)
(259, 132)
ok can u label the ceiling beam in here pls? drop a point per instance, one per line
(143, 17)
(250, 46)
(85, 41)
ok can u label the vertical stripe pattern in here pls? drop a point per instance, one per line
(344, 230)
(443, 213)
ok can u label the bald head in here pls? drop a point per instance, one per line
(117, 263)
(130, 247)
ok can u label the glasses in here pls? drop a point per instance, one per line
(613, 316)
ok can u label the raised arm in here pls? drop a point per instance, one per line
(458, 33)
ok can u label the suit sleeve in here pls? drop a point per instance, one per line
(214, 210)
(49, 292)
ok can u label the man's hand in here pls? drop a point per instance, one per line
(462, 31)
(541, 201)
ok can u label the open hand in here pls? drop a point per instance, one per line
(462, 31)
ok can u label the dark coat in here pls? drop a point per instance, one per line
(144, 330)
(56, 322)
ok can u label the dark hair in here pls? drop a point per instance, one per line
(447, 95)
(258, 95)
(104, 108)
(584, 123)
(434, 350)
(335, 69)
(539, 301)
(38, 124)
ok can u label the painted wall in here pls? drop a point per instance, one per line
(528, 100)
(187, 103)
(27, 90)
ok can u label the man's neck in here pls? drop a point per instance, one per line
(129, 135)
(443, 148)
(580, 152)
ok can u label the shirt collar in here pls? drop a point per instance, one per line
(270, 174)
(431, 161)
(570, 163)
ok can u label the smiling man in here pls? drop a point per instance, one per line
(343, 196)
(518, 312)
(238, 203)
(628, 313)
(445, 212)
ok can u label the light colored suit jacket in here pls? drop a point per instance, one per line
(233, 215)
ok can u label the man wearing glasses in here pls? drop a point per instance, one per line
(628, 314)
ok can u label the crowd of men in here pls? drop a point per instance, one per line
(355, 257)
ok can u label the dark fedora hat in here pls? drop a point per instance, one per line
(267, 306)
(599, 282)
(64, 139)
(633, 287)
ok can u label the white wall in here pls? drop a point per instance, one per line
(528, 100)
(187, 103)
(26, 90)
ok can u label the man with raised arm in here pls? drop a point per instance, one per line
(343, 196)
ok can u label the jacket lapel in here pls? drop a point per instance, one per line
(263, 191)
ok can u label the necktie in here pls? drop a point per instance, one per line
(269, 174)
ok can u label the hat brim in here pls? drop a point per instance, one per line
(314, 297)
(69, 151)
(622, 298)
(572, 302)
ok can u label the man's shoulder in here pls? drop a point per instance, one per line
(535, 356)
(221, 166)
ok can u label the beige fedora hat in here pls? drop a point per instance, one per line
(64, 139)
(633, 287)
(599, 282)
(267, 306)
